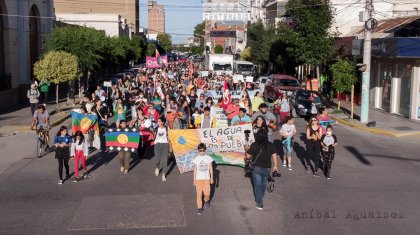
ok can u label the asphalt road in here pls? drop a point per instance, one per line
(374, 189)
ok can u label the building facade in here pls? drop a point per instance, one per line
(395, 72)
(127, 9)
(24, 25)
(155, 18)
(113, 25)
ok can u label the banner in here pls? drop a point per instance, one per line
(152, 62)
(224, 145)
(122, 139)
(85, 123)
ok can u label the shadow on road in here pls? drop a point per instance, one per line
(357, 154)
(100, 159)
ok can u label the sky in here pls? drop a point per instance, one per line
(181, 17)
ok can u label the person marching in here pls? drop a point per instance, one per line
(203, 177)
(262, 152)
(161, 148)
(313, 147)
(79, 151)
(328, 143)
(287, 131)
(120, 112)
(62, 142)
(124, 156)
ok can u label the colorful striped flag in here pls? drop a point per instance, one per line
(84, 123)
(122, 139)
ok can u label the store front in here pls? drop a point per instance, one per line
(395, 75)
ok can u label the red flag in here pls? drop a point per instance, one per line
(226, 95)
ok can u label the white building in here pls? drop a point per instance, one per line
(347, 12)
(112, 24)
(24, 25)
(257, 10)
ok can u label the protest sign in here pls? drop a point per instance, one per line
(224, 145)
(221, 118)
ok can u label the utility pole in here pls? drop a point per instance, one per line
(369, 25)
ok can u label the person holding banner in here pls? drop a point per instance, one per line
(241, 118)
(203, 177)
(124, 156)
(262, 154)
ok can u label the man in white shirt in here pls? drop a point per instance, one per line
(203, 177)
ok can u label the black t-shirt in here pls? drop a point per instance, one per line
(193, 100)
(264, 159)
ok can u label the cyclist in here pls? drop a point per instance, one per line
(42, 120)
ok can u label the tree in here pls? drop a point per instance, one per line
(260, 40)
(151, 49)
(246, 54)
(344, 77)
(199, 37)
(306, 32)
(165, 41)
(218, 49)
(57, 67)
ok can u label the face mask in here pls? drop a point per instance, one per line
(329, 132)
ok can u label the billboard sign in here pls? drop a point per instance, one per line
(223, 33)
(226, 11)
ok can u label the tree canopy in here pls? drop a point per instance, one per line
(199, 37)
(57, 67)
(218, 49)
(306, 31)
(165, 41)
(344, 74)
(260, 39)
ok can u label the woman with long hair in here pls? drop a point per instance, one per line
(186, 115)
(259, 123)
(62, 142)
(313, 146)
(79, 151)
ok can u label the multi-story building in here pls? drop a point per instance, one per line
(274, 10)
(128, 9)
(23, 29)
(112, 24)
(257, 10)
(155, 18)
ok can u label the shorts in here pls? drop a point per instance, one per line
(42, 125)
(287, 143)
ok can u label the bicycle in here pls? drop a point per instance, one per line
(41, 142)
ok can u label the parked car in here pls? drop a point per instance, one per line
(278, 84)
(306, 103)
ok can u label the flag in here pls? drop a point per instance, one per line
(158, 57)
(122, 139)
(85, 123)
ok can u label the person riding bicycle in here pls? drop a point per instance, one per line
(42, 120)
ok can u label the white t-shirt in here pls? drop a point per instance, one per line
(287, 129)
(203, 167)
(161, 136)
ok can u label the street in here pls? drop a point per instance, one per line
(374, 190)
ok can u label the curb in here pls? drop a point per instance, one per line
(56, 123)
(372, 129)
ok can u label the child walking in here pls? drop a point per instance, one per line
(328, 143)
(203, 177)
(79, 151)
(287, 131)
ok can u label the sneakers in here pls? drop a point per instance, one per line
(85, 175)
(125, 171)
(284, 164)
(316, 175)
(163, 177)
(207, 205)
(156, 172)
(76, 179)
(328, 178)
(122, 169)
(290, 167)
(60, 182)
(199, 211)
(259, 207)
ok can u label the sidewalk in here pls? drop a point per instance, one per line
(19, 121)
(386, 123)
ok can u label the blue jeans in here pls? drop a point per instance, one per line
(260, 178)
